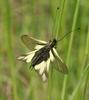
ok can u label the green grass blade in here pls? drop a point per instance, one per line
(82, 79)
(59, 18)
(70, 48)
(50, 83)
(83, 73)
(86, 58)
(8, 43)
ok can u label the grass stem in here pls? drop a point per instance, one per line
(83, 74)
(50, 81)
(59, 18)
(7, 30)
(70, 48)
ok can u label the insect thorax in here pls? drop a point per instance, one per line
(53, 43)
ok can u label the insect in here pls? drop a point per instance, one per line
(42, 54)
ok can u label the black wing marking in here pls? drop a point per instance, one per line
(60, 65)
(31, 42)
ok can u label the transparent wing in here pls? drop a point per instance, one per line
(30, 42)
(60, 65)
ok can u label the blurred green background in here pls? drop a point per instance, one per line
(39, 19)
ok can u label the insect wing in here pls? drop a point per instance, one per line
(44, 76)
(27, 57)
(60, 65)
(30, 42)
(41, 70)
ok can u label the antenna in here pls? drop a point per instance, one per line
(68, 34)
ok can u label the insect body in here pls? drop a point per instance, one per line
(43, 53)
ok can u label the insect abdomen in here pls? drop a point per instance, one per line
(40, 56)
